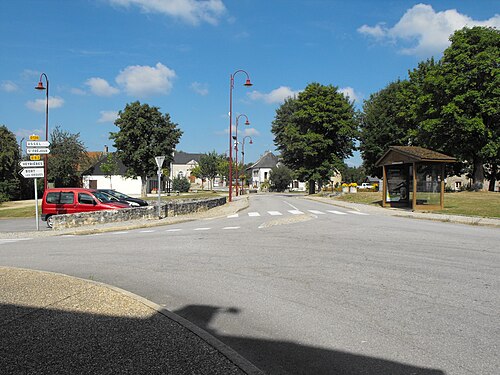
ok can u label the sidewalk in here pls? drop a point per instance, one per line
(56, 324)
(401, 212)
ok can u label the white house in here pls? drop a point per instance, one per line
(261, 170)
(95, 178)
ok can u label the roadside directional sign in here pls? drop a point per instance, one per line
(39, 150)
(34, 137)
(32, 173)
(35, 157)
(27, 164)
(37, 143)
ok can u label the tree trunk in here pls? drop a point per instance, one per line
(312, 187)
(478, 173)
(144, 186)
(493, 177)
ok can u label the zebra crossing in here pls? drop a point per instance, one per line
(296, 212)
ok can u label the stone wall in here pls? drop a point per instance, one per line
(168, 209)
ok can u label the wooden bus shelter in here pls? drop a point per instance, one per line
(413, 177)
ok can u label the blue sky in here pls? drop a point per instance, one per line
(178, 55)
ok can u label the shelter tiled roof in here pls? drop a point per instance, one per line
(414, 154)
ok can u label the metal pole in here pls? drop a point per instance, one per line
(36, 206)
(159, 194)
(231, 83)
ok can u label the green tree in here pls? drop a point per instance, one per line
(384, 123)
(280, 177)
(67, 154)
(181, 184)
(143, 134)
(10, 156)
(460, 102)
(315, 132)
(353, 174)
(110, 167)
(208, 166)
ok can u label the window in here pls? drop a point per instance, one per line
(52, 198)
(458, 185)
(67, 197)
(85, 198)
(265, 175)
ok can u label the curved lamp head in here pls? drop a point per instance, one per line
(247, 122)
(248, 83)
(40, 86)
(251, 142)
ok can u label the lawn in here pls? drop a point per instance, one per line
(483, 203)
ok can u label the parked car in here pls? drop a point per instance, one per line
(133, 202)
(365, 185)
(58, 201)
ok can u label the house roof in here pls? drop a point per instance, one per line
(96, 170)
(181, 157)
(412, 154)
(268, 160)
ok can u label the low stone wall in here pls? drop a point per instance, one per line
(169, 209)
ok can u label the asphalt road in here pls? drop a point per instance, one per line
(302, 287)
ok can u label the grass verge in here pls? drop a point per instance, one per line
(481, 203)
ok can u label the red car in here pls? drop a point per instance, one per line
(72, 200)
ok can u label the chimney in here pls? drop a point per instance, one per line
(105, 150)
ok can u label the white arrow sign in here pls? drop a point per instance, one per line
(31, 163)
(39, 150)
(37, 143)
(32, 173)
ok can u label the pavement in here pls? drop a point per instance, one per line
(53, 323)
(57, 324)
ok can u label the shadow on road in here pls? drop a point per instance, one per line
(284, 357)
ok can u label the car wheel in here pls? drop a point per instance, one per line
(50, 221)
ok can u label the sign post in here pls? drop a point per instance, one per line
(35, 147)
(159, 162)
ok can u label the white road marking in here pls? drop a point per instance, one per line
(337, 212)
(124, 232)
(230, 228)
(174, 230)
(11, 240)
(291, 205)
(274, 213)
(202, 228)
(358, 213)
(147, 231)
(316, 212)
(234, 215)
(253, 214)
(296, 212)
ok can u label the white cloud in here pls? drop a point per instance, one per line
(25, 133)
(275, 96)
(146, 80)
(108, 116)
(9, 86)
(350, 93)
(190, 11)
(77, 91)
(426, 31)
(39, 104)
(101, 87)
(200, 88)
(250, 132)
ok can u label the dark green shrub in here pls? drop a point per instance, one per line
(181, 184)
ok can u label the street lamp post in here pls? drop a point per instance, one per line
(231, 86)
(243, 155)
(41, 87)
(235, 137)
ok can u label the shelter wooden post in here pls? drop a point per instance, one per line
(414, 196)
(384, 187)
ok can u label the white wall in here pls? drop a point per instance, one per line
(124, 185)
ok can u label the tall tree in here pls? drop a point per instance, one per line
(67, 155)
(208, 166)
(384, 123)
(315, 132)
(143, 134)
(10, 156)
(460, 106)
